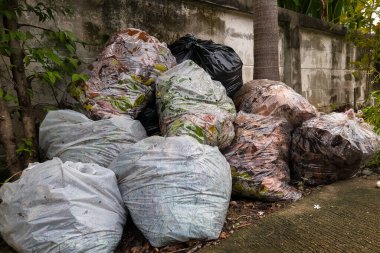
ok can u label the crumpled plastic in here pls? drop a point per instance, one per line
(331, 147)
(149, 118)
(190, 103)
(266, 97)
(258, 157)
(72, 136)
(122, 80)
(62, 207)
(174, 188)
(221, 62)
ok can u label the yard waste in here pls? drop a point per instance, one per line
(258, 157)
(62, 207)
(190, 103)
(274, 98)
(72, 136)
(331, 147)
(122, 80)
(175, 188)
(221, 62)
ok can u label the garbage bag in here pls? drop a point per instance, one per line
(266, 97)
(149, 119)
(331, 147)
(259, 158)
(221, 62)
(174, 188)
(190, 103)
(121, 80)
(72, 136)
(62, 207)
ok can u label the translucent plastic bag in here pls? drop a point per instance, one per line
(221, 62)
(174, 188)
(190, 103)
(62, 207)
(122, 80)
(258, 157)
(266, 97)
(71, 136)
(331, 147)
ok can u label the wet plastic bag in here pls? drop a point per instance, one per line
(258, 157)
(71, 136)
(266, 97)
(190, 103)
(221, 62)
(62, 207)
(331, 147)
(121, 81)
(174, 188)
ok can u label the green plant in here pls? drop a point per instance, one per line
(31, 54)
(327, 10)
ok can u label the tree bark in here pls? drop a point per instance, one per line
(8, 140)
(266, 35)
(21, 86)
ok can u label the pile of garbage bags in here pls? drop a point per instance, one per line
(176, 185)
(258, 157)
(175, 188)
(332, 147)
(191, 103)
(62, 207)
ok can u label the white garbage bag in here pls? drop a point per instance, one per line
(62, 207)
(175, 188)
(72, 136)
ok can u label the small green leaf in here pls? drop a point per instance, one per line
(27, 60)
(9, 97)
(30, 93)
(79, 77)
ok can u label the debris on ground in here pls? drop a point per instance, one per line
(174, 188)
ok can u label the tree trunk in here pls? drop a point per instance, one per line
(8, 140)
(22, 86)
(266, 35)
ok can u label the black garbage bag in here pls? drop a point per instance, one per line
(149, 118)
(221, 62)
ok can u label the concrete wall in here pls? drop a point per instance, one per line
(314, 58)
(326, 74)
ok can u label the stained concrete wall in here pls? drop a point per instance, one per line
(326, 72)
(314, 58)
(168, 20)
